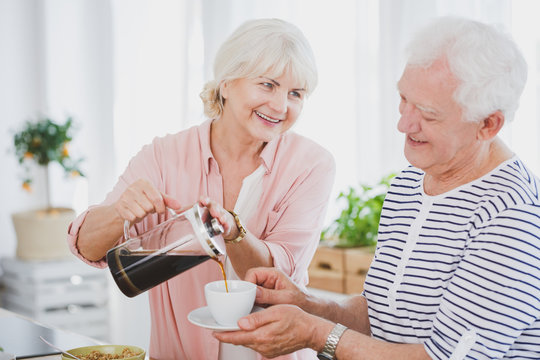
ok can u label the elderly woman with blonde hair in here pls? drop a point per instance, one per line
(242, 161)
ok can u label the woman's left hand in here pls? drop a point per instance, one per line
(278, 330)
(230, 230)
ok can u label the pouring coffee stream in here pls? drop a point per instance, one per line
(222, 273)
(170, 248)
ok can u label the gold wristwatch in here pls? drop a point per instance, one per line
(241, 230)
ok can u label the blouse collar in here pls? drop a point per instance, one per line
(268, 155)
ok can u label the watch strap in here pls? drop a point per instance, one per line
(329, 350)
(241, 229)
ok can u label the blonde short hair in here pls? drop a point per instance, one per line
(267, 47)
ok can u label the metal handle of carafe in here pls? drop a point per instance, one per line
(208, 230)
(215, 228)
(127, 224)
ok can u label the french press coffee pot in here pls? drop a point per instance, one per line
(170, 248)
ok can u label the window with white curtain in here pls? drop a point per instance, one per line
(164, 52)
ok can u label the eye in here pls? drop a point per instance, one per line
(296, 94)
(268, 85)
(428, 117)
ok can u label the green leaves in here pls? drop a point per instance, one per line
(42, 141)
(358, 222)
(45, 141)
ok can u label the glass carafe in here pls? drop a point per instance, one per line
(170, 248)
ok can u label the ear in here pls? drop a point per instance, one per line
(490, 126)
(224, 89)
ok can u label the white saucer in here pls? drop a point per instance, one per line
(203, 318)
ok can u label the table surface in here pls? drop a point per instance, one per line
(14, 317)
(88, 341)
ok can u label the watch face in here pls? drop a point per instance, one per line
(323, 357)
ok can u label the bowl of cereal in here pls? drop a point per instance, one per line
(107, 352)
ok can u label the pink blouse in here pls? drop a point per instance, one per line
(296, 188)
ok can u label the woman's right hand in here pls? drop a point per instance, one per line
(102, 228)
(142, 198)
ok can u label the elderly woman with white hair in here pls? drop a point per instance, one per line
(456, 273)
(274, 183)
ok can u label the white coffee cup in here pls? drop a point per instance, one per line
(228, 307)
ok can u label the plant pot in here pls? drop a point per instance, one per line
(42, 234)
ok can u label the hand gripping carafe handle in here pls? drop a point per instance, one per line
(127, 224)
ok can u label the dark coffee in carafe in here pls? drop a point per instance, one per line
(170, 248)
(137, 272)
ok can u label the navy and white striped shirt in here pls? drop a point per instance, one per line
(460, 271)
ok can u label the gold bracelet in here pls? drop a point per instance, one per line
(241, 230)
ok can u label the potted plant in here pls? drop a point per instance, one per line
(41, 233)
(348, 244)
(358, 223)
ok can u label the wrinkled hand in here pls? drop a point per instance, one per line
(275, 287)
(142, 198)
(230, 230)
(277, 330)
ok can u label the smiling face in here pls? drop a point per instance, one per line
(437, 139)
(262, 108)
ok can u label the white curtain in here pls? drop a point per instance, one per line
(56, 60)
(158, 68)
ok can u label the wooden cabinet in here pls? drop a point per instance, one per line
(341, 270)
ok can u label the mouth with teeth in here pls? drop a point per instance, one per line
(267, 118)
(416, 141)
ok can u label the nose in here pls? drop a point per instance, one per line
(279, 101)
(409, 122)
